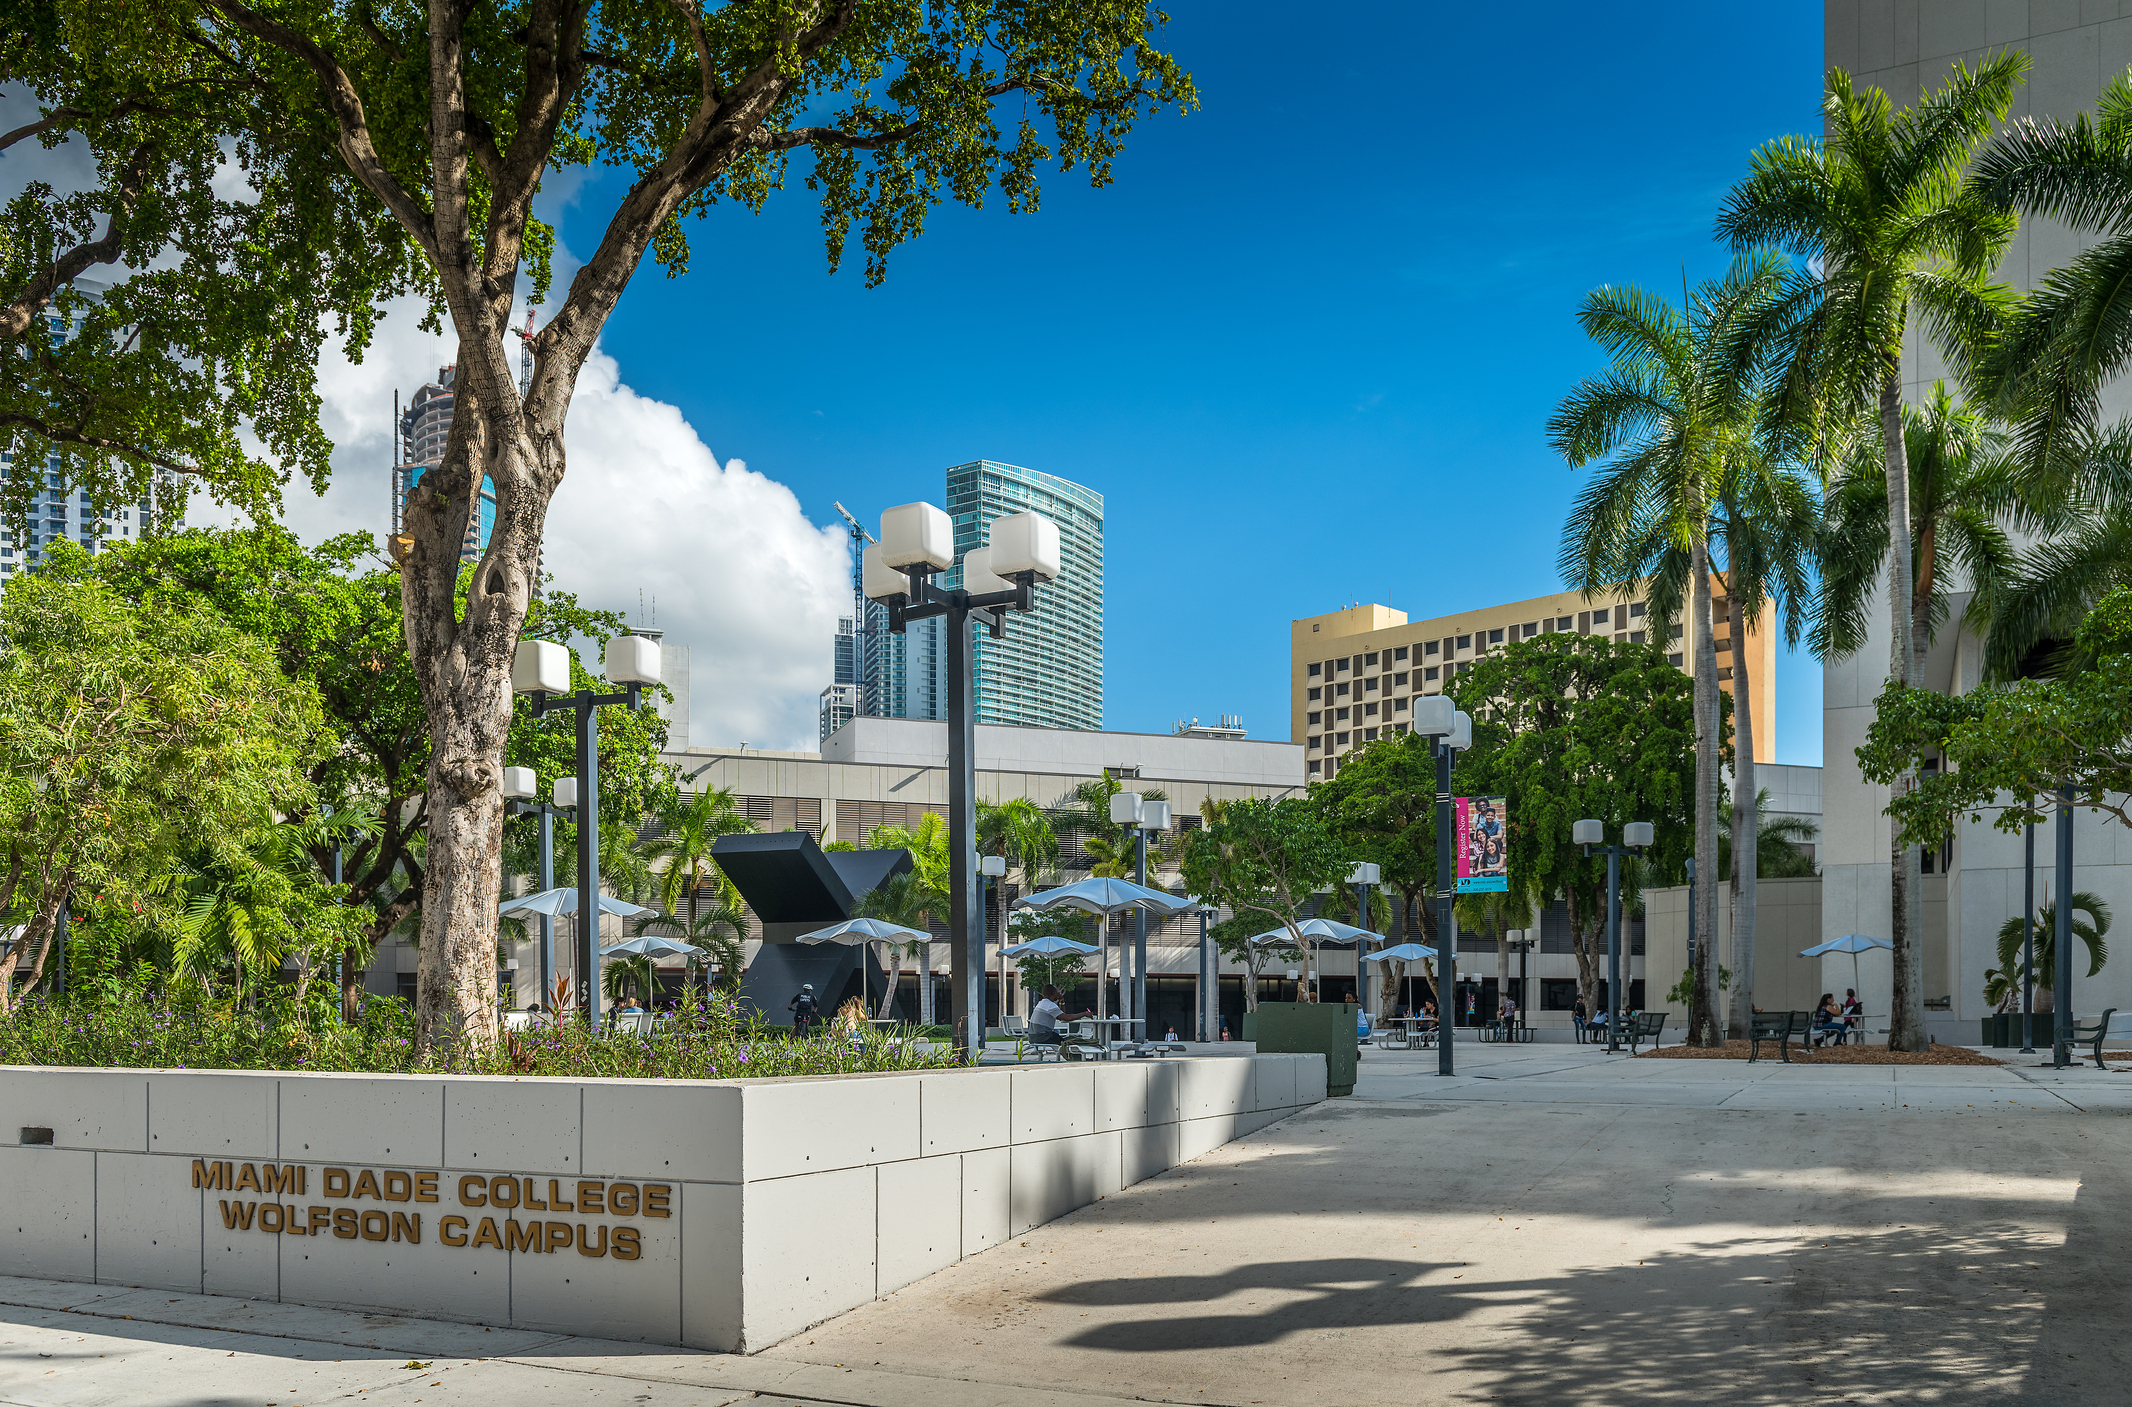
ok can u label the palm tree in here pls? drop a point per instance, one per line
(1779, 844)
(1020, 833)
(2090, 931)
(680, 855)
(906, 899)
(720, 930)
(1676, 408)
(1880, 206)
(1111, 851)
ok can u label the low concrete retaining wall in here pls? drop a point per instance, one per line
(716, 1215)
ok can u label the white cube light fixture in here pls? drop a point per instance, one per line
(1638, 833)
(632, 659)
(1154, 815)
(1364, 873)
(521, 783)
(1125, 808)
(917, 535)
(1587, 833)
(878, 579)
(978, 578)
(566, 792)
(1433, 715)
(1025, 542)
(993, 865)
(1461, 731)
(540, 667)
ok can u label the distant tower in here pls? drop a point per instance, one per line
(425, 429)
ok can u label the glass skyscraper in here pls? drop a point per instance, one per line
(425, 426)
(1048, 671)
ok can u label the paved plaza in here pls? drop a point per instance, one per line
(1552, 1225)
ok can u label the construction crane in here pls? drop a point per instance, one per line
(863, 642)
(858, 533)
(525, 360)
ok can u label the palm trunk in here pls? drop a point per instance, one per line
(1906, 1023)
(1580, 941)
(1704, 1027)
(1746, 823)
(895, 976)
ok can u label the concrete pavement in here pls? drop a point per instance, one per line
(1552, 1225)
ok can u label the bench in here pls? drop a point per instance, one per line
(1644, 1026)
(2091, 1034)
(1778, 1026)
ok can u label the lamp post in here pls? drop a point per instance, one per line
(1209, 982)
(1449, 731)
(1636, 835)
(918, 542)
(1363, 876)
(2062, 996)
(542, 668)
(1129, 808)
(1523, 943)
(520, 785)
(994, 869)
(2028, 938)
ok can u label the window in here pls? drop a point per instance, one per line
(1313, 719)
(1399, 681)
(1724, 646)
(1531, 628)
(1400, 653)
(1399, 705)
(1369, 686)
(1465, 642)
(1564, 623)
(1312, 695)
(1725, 672)
(1340, 715)
(1369, 710)
(1316, 670)
(1636, 637)
(1429, 649)
(1556, 993)
(1635, 609)
(1340, 664)
(1313, 766)
(1313, 630)
(1673, 660)
(1341, 690)
(1429, 673)
(1599, 616)
(1310, 745)
(1495, 637)
(1369, 661)
(1676, 632)
(1341, 739)
(1369, 735)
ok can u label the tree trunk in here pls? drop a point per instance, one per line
(1906, 1023)
(1705, 1028)
(36, 942)
(1746, 824)
(895, 976)
(1580, 941)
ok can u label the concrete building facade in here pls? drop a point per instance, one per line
(1354, 673)
(1907, 48)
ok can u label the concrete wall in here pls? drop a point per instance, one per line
(918, 742)
(716, 1215)
(1788, 921)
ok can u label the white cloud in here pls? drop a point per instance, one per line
(740, 575)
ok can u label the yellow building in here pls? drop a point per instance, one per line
(1353, 674)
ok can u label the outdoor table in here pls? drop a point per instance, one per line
(1108, 1053)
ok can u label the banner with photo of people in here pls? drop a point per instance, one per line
(1482, 828)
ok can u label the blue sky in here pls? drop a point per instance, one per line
(1307, 342)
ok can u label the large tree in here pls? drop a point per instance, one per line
(170, 285)
(1902, 245)
(450, 117)
(1574, 727)
(1265, 859)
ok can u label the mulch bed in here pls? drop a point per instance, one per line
(1828, 1055)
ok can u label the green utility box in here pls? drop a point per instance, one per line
(1297, 1028)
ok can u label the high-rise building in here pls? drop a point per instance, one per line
(425, 428)
(1354, 673)
(1048, 670)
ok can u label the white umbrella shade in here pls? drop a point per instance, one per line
(1105, 897)
(649, 947)
(865, 930)
(1852, 943)
(550, 902)
(1405, 952)
(1046, 946)
(1318, 930)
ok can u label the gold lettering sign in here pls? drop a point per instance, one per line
(505, 1195)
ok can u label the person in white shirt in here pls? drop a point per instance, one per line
(1044, 1020)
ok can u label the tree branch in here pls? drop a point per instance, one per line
(61, 434)
(35, 296)
(346, 105)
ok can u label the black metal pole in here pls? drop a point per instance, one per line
(2062, 993)
(340, 958)
(965, 925)
(1362, 981)
(2028, 939)
(1140, 940)
(588, 853)
(1207, 980)
(1446, 935)
(547, 921)
(1691, 914)
(1613, 947)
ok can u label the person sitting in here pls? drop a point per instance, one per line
(1853, 1009)
(1828, 1021)
(630, 1006)
(1044, 1019)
